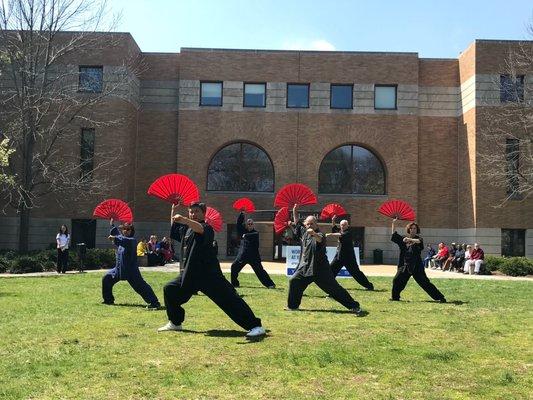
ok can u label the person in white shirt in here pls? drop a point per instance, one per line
(63, 241)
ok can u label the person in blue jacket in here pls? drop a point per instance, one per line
(126, 268)
(249, 253)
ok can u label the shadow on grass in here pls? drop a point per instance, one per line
(162, 308)
(258, 287)
(363, 314)
(8, 294)
(454, 302)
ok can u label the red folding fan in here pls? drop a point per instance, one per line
(246, 203)
(294, 193)
(397, 209)
(281, 219)
(175, 188)
(213, 218)
(332, 209)
(113, 208)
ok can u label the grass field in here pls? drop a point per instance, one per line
(58, 342)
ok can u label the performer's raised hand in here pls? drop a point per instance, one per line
(110, 221)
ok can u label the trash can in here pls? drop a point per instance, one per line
(82, 251)
(378, 256)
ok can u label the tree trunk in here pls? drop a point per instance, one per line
(24, 228)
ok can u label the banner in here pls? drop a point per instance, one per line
(293, 256)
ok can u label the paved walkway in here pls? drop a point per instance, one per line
(277, 268)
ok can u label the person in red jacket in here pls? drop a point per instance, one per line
(441, 256)
(477, 257)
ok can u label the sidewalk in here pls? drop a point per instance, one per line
(277, 268)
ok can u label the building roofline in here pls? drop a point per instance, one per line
(502, 41)
(214, 50)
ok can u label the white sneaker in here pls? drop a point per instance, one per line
(256, 332)
(170, 327)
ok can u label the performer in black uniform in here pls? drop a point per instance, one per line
(410, 263)
(345, 255)
(314, 267)
(249, 253)
(200, 271)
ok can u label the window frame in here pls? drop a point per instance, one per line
(244, 94)
(241, 143)
(331, 96)
(221, 94)
(297, 84)
(395, 86)
(83, 90)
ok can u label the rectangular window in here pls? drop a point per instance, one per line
(513, 242)
(512, 153)
(341, 96)
(385, 97)
(511, 88)
(297, 95)
(210, 93)
(91, 79)
(87, 154)
(254, 95)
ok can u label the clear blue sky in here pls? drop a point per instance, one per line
(433, 28)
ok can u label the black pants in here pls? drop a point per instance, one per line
(137, 283)
(219, 290)
(325, 281)
(352, 267)
(256, 265)
(62, 261)
(419, 274)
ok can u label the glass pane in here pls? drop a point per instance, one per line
(254, 95)
(223, 173)
(91, 79)
(341, 96)
(335, 171)
(211, 94)
(298, 96)
(385, 97)
(369, 177)
(249, 171)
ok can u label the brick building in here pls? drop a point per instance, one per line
(357, 127)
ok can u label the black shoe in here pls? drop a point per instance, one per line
(391, 299)
(108, 303)
(370, 288)
(443, 300)
(153, 307)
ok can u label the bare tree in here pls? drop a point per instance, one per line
(506, 131)
(45, 99)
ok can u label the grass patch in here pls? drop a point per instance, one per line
(58, 341)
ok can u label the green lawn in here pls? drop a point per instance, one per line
(58, 342)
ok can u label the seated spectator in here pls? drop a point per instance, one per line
(457, 262)
(441, 256)
(429, 256)
(165, 250)
(477, 257)
(451, 255)
(154, 258)
(467, 257)
(142, 247)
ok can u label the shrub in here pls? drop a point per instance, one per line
(24, 265)
(5, 264)
(517, 266)
(493, 263)
(99, 258)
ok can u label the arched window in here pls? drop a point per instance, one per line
(351, 169)
(241, 167)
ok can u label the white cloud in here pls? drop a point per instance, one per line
(320, 45)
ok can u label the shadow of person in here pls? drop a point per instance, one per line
(224, 333)
(363, 314)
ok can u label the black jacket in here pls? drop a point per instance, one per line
(198, 259)
(313, 259)
(249, 247)
(345, 252)
(410, 257)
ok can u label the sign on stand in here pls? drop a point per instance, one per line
(293, 256)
